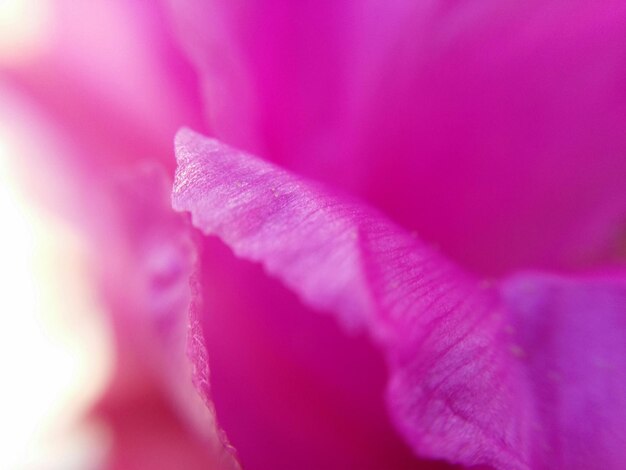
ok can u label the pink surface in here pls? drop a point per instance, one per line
(494, 129)
(479, 375)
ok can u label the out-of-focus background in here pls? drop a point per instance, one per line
(54, 346)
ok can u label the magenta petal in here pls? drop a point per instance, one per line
(452, 391)
(493, 128)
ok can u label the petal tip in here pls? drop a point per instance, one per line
(184, 136)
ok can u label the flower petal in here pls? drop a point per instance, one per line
(494, 129)
(430, 318)
(529, 373)
(280, 367)
(141, 256)
(570, 338)
(146, 287)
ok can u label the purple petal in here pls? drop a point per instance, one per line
(570, 338)
(528, 375)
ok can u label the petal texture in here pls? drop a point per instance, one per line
(506, 376)
(495, 129)
(339, 256)
(279, 367)
(290, 388)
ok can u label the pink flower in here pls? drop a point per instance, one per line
(444, 181)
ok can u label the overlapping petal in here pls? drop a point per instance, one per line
(276, 367)
(147, 287)
(290, 388)
(479, 374)
(141, 256)
(341, 257)
(494, 129)
(570, 338)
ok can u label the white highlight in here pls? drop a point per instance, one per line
(54, 348)
(24, 29)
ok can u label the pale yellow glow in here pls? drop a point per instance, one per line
(24, 29)
(54, 346)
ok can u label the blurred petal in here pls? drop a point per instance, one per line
(140, 256)
(146, 432)
(495, 129)
(108, 73)
(477, 378)
(147, 288)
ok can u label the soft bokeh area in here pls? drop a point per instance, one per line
(55, 346)
(82, 92)
(55, 350)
